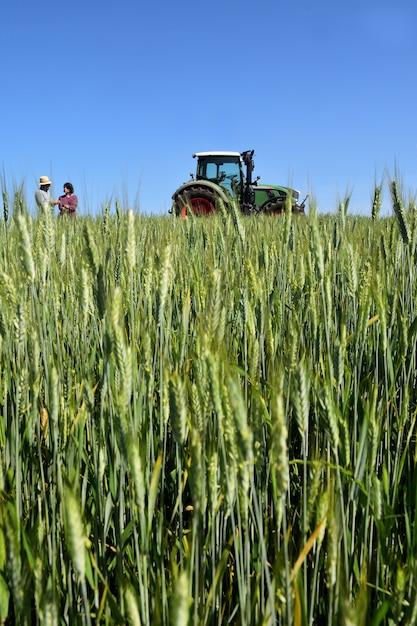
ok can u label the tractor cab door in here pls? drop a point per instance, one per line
(223, 170)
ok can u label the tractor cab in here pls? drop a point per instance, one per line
(222, 168)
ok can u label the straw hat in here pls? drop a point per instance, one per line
(44, 180)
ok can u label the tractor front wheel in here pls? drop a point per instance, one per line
(198, 200)
(275, 208)
(279, 206)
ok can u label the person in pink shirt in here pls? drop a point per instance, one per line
(68, 202)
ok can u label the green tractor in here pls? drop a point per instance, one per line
(220, 178)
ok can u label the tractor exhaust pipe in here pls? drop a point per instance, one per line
(248, 193)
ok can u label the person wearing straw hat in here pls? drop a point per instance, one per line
(43, 194)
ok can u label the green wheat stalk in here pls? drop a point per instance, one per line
(399, 211)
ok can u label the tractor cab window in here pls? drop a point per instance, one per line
(211, 171)
(224, 170)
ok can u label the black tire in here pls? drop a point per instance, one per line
(278, 206)
(199, 200)
(296, 208)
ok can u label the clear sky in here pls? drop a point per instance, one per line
(115, 97)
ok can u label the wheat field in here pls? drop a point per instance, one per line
(208, 421)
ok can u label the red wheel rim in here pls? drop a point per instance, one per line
(201, 206)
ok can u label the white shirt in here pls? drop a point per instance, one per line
(42, 197)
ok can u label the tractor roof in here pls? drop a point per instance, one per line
(221, 153)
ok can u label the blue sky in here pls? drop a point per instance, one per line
(116, 97)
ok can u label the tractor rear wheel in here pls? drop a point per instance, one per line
(198, 200)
